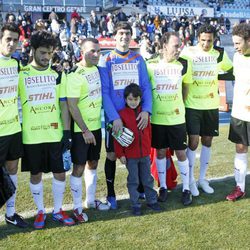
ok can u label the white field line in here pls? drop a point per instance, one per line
(31, 213)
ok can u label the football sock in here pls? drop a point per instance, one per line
(240, 169)
(10, 204)
(110, 167)
(58, 188)
(76, 190)
(191, 159)
(184, 172)
(162, 171)
(37, 193)
(204, 160)
(90, 177)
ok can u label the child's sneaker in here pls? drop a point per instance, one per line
(136, 211)
(62, 217)
(142, 196)
(112, 201)
(97, 204)
(39, 222)
(154, 206)
(80, 217)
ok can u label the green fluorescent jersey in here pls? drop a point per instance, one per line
(84, 83)
(203, 92)
(40, 92)
(167, 80)
(9, 119)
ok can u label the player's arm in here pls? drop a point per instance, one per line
(77, 117)
(107, 103)
(65, 115)
(146, 88)
(228, 76)
(187, 79)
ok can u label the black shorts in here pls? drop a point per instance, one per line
(43, 157)
(82, 152)
(109, 142)
(11, 147)
(202, 122)
(173, 136)
(239, 131)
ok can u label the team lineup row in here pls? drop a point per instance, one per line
(178, 91)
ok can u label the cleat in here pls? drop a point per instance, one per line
(39, 222)
(235, 194)
(97, 204)
(193, 189)
(142, 196)
(16, 220)
(136, 211)
(63, 218)
(80, 217)
(163, 193)
(112, 202)
(186, 198)
(204, 185)
(154, 206)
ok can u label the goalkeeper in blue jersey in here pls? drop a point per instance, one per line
(121, 68)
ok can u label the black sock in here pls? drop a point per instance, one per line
(110, 167)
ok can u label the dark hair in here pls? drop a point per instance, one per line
(11, 27)
(242, 30)
(43, 39)
(206, 28)
(166, 36)
(133, 89)
(122, 25)
(90, 39)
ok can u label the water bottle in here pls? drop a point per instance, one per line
(67, 162)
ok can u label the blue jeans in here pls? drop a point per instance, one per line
(140, 167)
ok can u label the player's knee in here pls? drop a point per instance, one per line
(59, 176)
(206, 141)
(161, 153)
(111, 156)
(92, 165)
(35, 179)
(78, 170)
(12, 167)
(181, 155)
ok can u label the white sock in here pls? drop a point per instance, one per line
(58, 188)
(90, 177)
(37, 193)
(76, 190)
(10, 204)
(191, 159)
(162, 171)
(184, 172)
(240, 169)
(204, 160)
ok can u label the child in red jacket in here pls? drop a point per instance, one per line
(136, 156)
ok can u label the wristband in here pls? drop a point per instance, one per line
(85, 131)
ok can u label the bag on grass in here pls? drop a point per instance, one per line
(7, 187)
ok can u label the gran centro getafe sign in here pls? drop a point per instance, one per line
(180, 11)
(58, 9)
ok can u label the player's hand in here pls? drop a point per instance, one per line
(66, 140)
(89, 137)
(123, 160)
(117, 126)
(143, 120)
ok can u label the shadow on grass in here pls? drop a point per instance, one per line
(222, 188)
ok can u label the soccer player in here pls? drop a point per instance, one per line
(202, 101)
(45, 127)
(85, 100)
(239, 132)
(10, 129)
(167, 75)
(122, 67)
